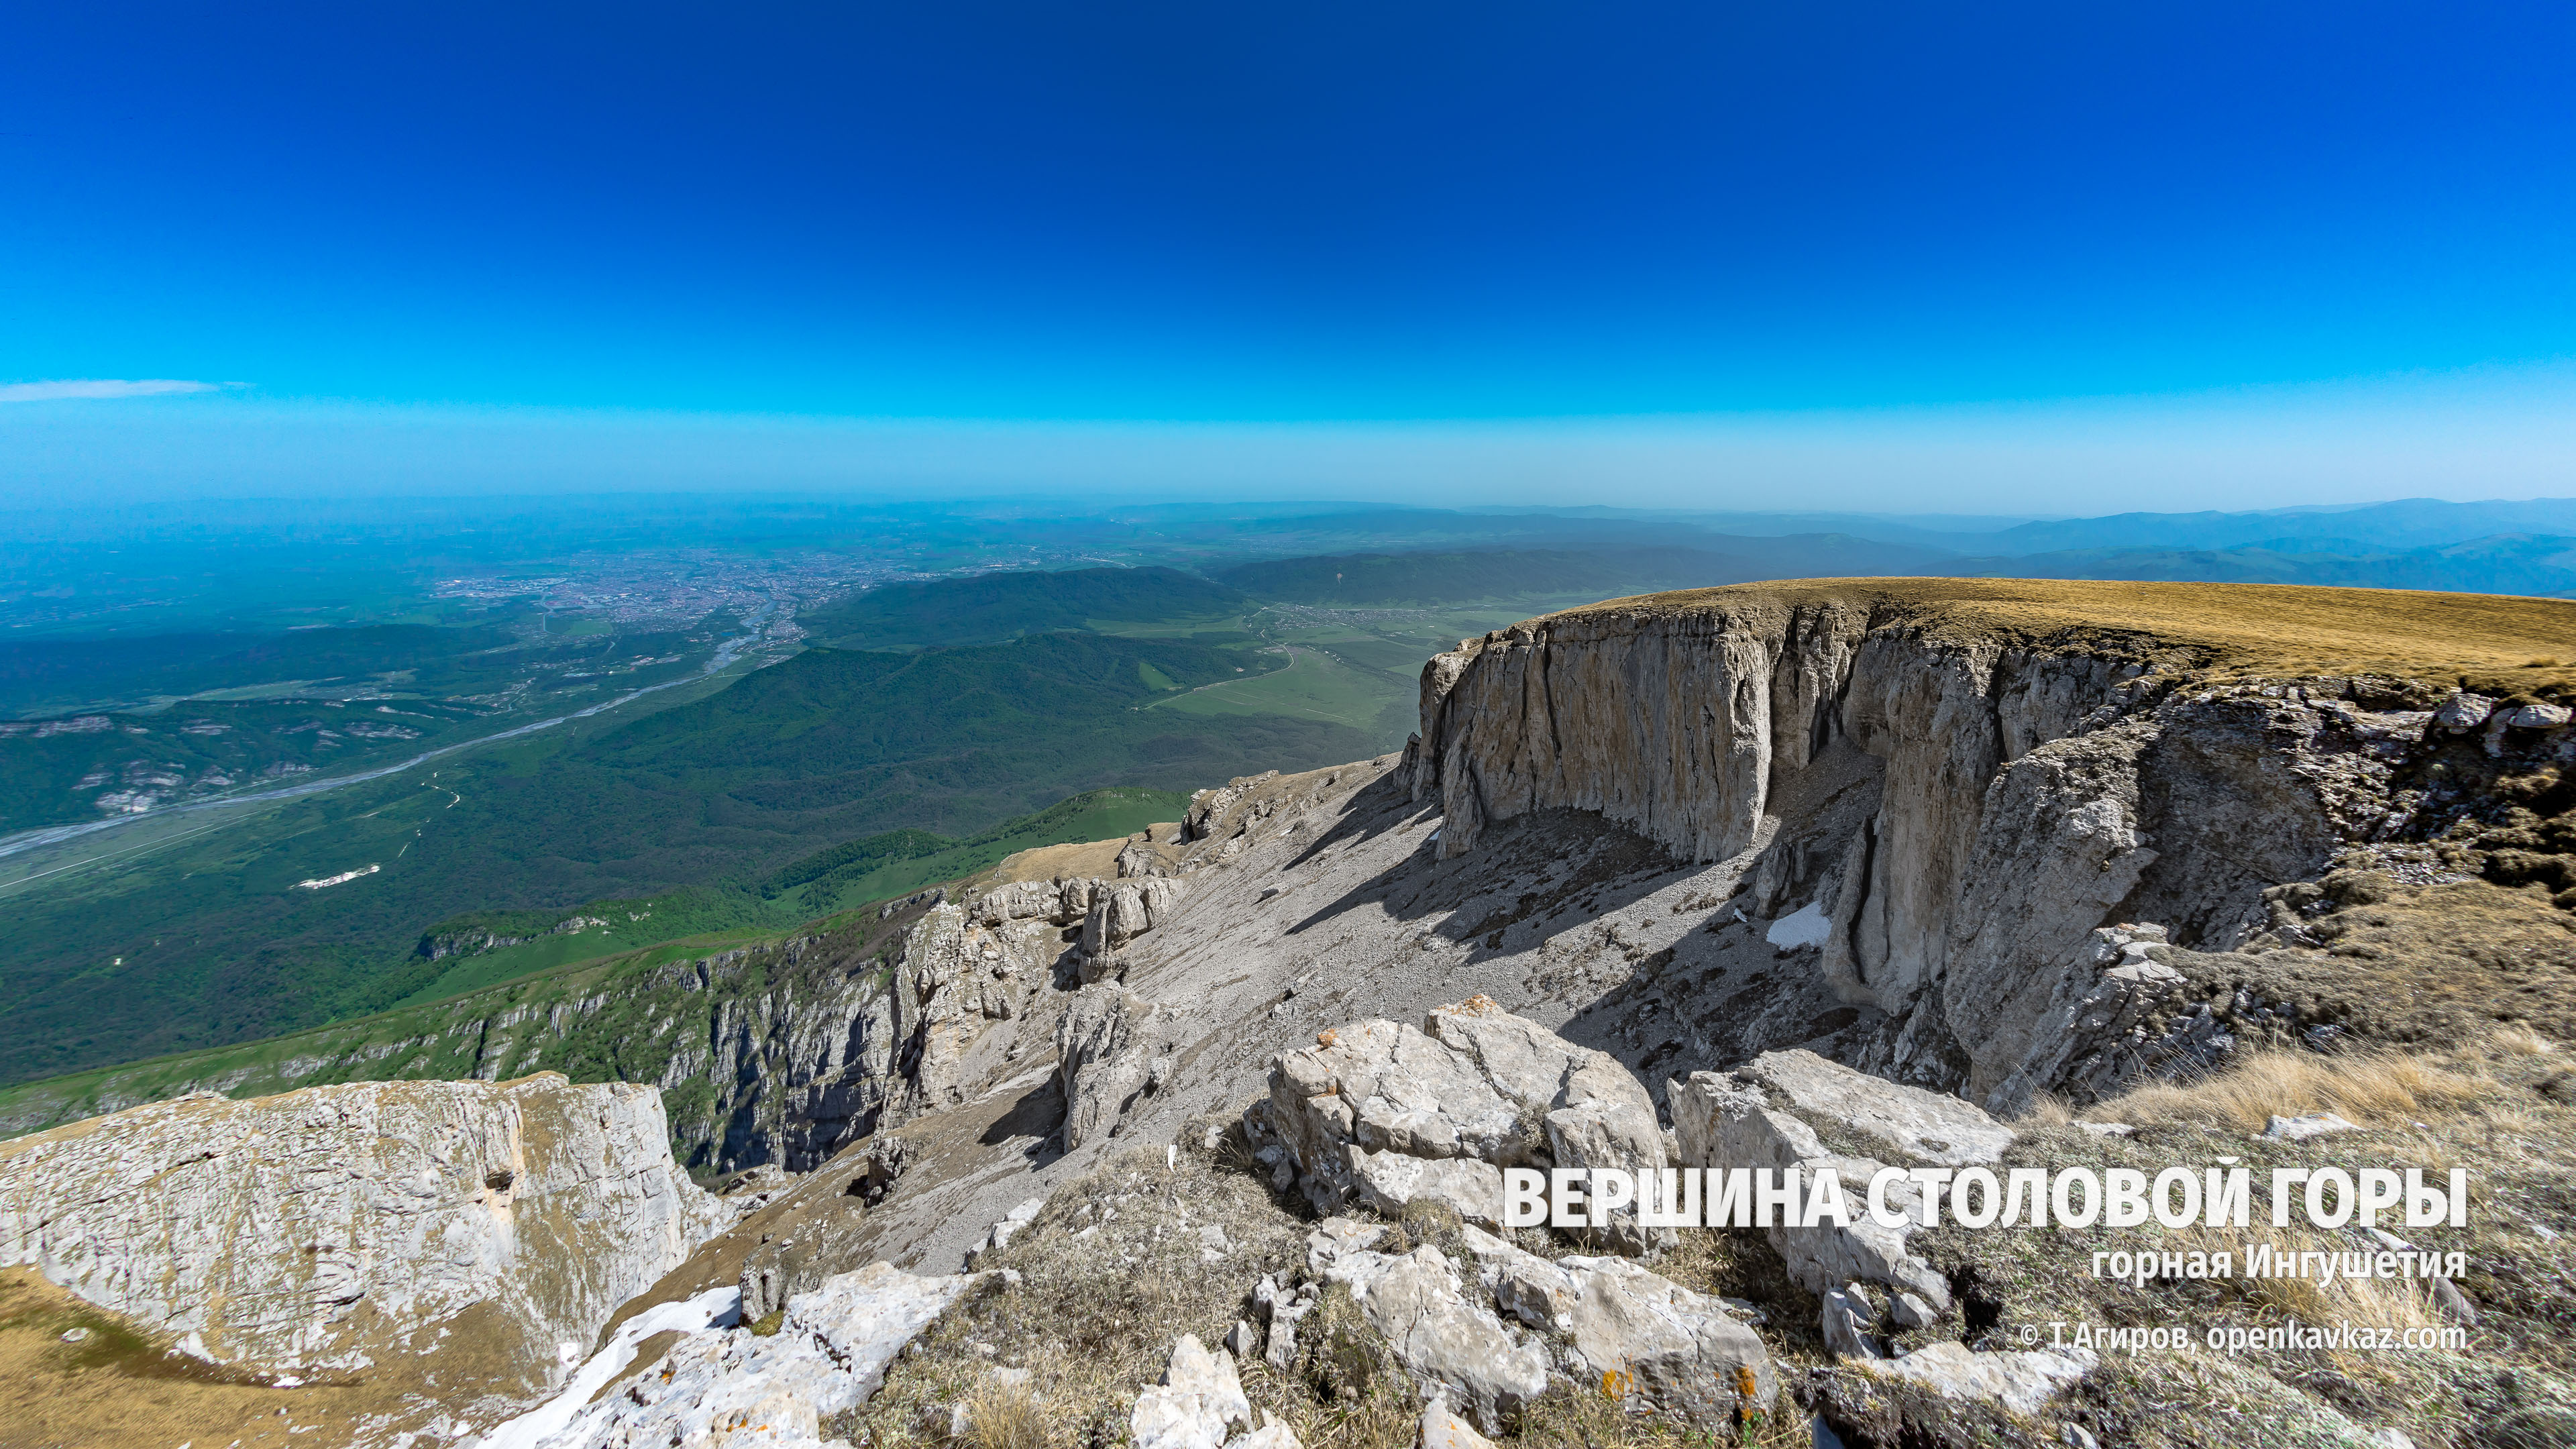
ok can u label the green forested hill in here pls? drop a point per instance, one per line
(214, 941)
(1009, 603)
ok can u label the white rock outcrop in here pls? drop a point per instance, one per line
(1442, 1429)
(2019, 1381)
(1475, 1085)
(1118, 914)
(1468, 1186)
(829, 1354)
(717, 1307)
(1109, 1043)
(1451, 1344)
(1729, 1121)
(325, 1227)
(1057, 902)
(962, 970)
(1931, 1126)
(1642, 1334)
(1192, 1408)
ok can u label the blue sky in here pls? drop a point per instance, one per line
(1763, 246)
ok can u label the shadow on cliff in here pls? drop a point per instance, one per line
(1037, 1114)
(1716, 994)
(1533, 866)
(1381, 805)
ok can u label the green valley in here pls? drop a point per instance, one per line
(218, 938)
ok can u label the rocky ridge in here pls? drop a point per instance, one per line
(2025, 793)
(340, 1229)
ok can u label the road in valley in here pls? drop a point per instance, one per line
(235, 806)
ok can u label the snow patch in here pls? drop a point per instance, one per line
(715, 1308)
(1805, 926)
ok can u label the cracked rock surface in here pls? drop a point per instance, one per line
(333, 1227)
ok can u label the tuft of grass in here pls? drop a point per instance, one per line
(1007, 1416)
(2519, 1041)
(2368, 1088)
(2046, 1110)
(1596, 1421)
(2375, 1302)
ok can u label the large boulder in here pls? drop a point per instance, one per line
(1388, 1182)
(325, 1227)
(1729, 1121)
(1200, 1395)
(1120, 913)
(1475, 1083)
(1931, 1127)
(1450, 1344)
(1643, 1335)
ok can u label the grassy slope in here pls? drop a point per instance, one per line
(710, 918)
(1313, 686)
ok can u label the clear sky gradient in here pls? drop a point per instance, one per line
(1689, 253)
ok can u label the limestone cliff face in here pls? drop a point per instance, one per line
(335, 1227)
(1669, 721)
(2030, 790)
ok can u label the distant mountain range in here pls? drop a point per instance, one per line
(1363, 580)
(2535, 564)
(2409, 523)
(2414, 523)
(2494, 548)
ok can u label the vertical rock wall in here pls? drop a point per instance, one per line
(2031, 793)
(1668, 721)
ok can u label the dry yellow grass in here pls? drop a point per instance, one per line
(1055, 862)
(1006, 1416)
(2320, 1303)
(2519, 1041)
(2370, 1088)
(2492, 1101)
(122, 1385)
(2500, 642)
